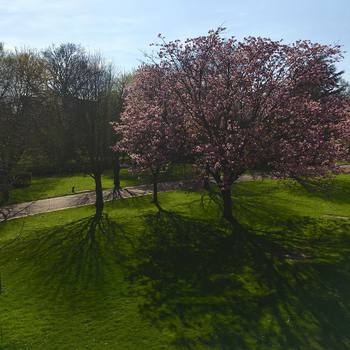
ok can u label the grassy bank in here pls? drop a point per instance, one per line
(182, 279)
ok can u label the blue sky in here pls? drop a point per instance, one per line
(123, 30)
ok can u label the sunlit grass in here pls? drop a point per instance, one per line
(182, 279)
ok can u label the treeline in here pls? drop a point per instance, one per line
(56, 106)
(229, 107)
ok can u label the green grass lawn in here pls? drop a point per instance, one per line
(54, 186)
(182, 279)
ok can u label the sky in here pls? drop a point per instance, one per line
(123, 30)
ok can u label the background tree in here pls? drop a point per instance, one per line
(20, 95)
(67, 73)
(96, 108)
(82, 88)
(120, 84)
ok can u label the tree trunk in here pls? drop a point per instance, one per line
(206, 183)
(155, 190)
(227, 204)
(116, 173)
(206, 180)
(99, 194)
(4, 196)
(7, 195)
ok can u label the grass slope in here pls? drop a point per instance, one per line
(182, 279)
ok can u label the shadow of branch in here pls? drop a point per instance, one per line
(70, 258)
(220, 286)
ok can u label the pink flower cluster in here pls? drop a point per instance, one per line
(151, 129)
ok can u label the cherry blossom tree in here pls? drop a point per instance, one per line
(150, 127)
(257, 104)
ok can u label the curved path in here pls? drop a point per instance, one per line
(80, 199)
(87, 198)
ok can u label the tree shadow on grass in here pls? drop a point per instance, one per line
(69, 259)
(217, 287)
(333, 189)
(250, 205)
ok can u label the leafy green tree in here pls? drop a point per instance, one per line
(21, 85)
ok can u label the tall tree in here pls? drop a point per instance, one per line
(120, 84)
(81, 86)
(21, 85)
(257, 104)
(150, 129)
(96, 113)
(67, 73)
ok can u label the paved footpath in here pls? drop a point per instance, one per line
(80, 199)
(87, 198)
